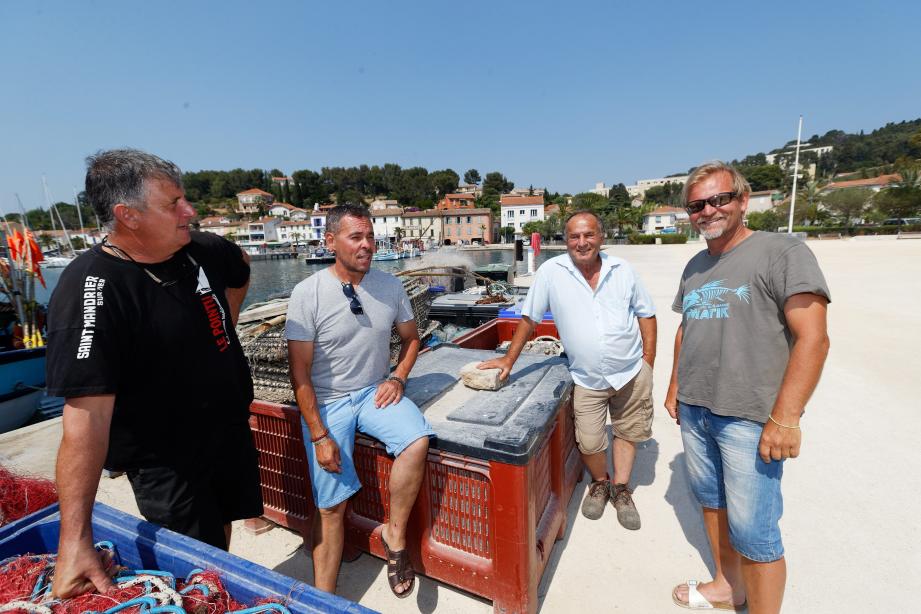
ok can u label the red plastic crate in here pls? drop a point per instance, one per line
(483, 525)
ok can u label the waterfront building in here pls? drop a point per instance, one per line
(288, 211)
(220, 225)
(386, 222)
(253, 201)
(663, 218)
(297, 232)
(449, 226)
(516, 211)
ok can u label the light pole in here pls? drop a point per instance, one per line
(799, 134)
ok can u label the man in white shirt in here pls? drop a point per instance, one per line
(607, 324)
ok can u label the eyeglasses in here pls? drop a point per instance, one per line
(717, 200)
(354, 303)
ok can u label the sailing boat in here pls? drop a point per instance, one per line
(59, 261)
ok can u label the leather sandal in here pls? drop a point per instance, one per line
(399, 570)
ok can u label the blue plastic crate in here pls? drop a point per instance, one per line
(142, 545)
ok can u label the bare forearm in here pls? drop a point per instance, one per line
(409, 351)
(648, 332)
(307, 404)
(673, 381)
(79, 464)
(801, 377)
(523, 332)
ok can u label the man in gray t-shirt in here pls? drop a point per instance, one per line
(338, 331)
(748, 355)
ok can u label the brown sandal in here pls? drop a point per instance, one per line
(399, 570)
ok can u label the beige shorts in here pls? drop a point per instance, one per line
(630, 409)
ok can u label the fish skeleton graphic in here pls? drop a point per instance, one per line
(712, 293)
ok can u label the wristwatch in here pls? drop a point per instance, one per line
(397, 378)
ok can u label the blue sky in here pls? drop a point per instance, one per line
(556, 94)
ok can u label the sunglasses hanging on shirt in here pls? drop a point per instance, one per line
(354, 304)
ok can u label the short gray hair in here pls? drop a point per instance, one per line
(597, 217)
(740, 185)
(120, 175)
(335, 215)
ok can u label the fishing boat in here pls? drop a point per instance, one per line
(22, 381)
(56, 262)
(321, 255)
(385, 254)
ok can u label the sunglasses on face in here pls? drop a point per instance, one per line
(717, 200)
(354, 303)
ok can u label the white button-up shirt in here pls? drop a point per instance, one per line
(598, 327)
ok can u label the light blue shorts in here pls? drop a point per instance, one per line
(726, 471)
(396, 426)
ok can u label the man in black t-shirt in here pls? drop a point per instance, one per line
(141, 343)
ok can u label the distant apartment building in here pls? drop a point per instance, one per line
(317, 222)
(219, 225)
(282, 181)
(288, 211)
(296, 232)
(601, 189)
(872, 183)
(530, 191)
(763, 200)
(383, 203)
(661, 218)
(469, 188)
(457, 201)
(516, 211)
(386, 222)
(449, 226)
(262, 231)
(253, 201)
(784, 158)
(640, 187)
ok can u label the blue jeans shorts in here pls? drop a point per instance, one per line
(396, 426)
(726, 472)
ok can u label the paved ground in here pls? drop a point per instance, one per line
(850, 527)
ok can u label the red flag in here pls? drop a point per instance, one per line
(535, 243)
(37, 257)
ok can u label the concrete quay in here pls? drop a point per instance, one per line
(850, 525)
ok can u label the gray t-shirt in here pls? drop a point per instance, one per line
(350, 351)
(736, 343)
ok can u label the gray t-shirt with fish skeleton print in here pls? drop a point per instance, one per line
(736, 343)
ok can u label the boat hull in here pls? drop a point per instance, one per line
(22, 381)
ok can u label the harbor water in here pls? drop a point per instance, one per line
(275, 278)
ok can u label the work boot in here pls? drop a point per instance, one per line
(622, 501)
(595, 499)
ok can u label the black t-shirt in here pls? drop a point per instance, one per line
(167, 349)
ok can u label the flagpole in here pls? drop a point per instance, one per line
(799, 134)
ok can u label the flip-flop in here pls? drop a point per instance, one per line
(696, 601)
(399, 570)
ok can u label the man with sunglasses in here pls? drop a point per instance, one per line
(338, 330)
(141, 343)
(748, 354)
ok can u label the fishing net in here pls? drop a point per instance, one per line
(25, 587)
(263, 341)
(21, 495)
